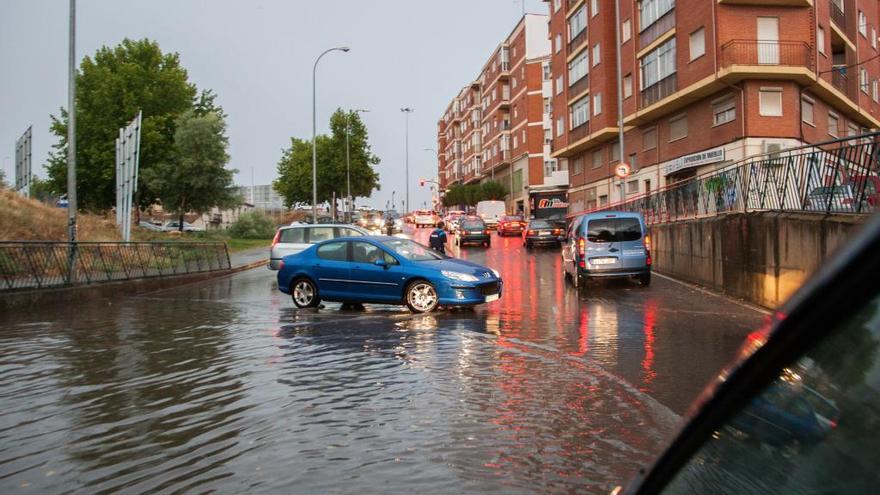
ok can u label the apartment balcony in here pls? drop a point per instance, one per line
(766, 53)
(556, 178)
(577, 41)
(837, 15)
(657, 29)
(658, 91)
(842, 82)
(579, 132)
(579, 86)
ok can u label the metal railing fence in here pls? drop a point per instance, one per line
(839, 176)
(41, 264)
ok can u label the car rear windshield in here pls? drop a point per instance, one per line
(614, 230)
(540, 224)
(512, 218)
(473, 224)
(411, 250)
(293, 236)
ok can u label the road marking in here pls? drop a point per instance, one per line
(734, 300)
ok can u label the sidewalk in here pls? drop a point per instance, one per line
(249, 258)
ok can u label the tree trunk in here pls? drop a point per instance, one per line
(180, 223)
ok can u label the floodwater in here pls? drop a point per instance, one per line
(225, 386)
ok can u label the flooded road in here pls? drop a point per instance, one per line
(224, 386)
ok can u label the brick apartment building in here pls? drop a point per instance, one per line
(705, 83)
(498, 126)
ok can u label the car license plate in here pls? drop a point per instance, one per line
(475, 232)
(493, 297)
(544, 232)
(603, 261)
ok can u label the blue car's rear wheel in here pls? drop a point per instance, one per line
(421, 297)
(305, 294)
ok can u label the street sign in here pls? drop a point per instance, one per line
(622, 170)
(127, 161)
(23, 173)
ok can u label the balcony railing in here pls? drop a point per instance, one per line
(657, 29)
(659, 90)
(837, 15)
(579, 86)
(841, 81)
(753, 52)
(577, 41)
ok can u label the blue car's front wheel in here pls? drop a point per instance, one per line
(421, 297)
(305, 294)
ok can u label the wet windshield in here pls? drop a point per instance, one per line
(412, 251)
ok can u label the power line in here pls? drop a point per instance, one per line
(844, 67)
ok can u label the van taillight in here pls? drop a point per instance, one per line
(648, 242)
(276, 238)
(582, 244)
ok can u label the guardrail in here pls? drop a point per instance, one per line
(39, 264)
(839, 176)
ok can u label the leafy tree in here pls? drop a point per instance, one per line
(294, 181)
(111, 88)
(195, 177)
(41, 190)
(492, 190)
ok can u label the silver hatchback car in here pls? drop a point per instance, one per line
(295, 238)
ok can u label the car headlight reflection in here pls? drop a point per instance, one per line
(496, 272)
(463, 277)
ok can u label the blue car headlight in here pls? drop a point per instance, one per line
(461, 277)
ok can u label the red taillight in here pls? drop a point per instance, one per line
(648, 242)
(486, 232)
(276, 238)
(532, 232)
(582, 254)
(557, 231)
(648, 260)
(833, 423)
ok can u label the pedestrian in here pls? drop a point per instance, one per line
(389, 225)
(437, 240)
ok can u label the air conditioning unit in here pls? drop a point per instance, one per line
(772, 150)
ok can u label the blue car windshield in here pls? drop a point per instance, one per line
(412, 251)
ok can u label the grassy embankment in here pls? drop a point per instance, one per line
(23, 219)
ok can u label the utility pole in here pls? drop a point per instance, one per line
(71, 128)
(619, 94)
(406, 112)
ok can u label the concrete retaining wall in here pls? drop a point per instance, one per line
(760, 257)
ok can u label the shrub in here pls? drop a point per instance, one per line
(252, 226)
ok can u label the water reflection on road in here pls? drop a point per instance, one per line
(224, 385)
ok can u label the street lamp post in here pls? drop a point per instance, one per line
(348, 161)
(314, 131)
(392, 199)
(406, 112)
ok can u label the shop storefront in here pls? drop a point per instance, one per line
(548, 204)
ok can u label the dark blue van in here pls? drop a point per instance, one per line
(607, 244)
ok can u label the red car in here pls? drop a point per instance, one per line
(511, 224)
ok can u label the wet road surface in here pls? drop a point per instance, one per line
(225, 386)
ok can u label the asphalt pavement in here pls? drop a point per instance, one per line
(224, 385)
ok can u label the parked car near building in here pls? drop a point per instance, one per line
(385, 270)
(607, 244)
(472, 230)
(295, 238)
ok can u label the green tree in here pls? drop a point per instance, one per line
(111, 88)
(294, 181)
(492, 190)
(2, 179)
(195, 177)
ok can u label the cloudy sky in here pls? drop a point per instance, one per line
(257, 56)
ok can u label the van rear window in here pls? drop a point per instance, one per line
(614, 230)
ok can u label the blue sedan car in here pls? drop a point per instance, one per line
(385, 270)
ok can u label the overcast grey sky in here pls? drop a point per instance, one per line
(257, 56)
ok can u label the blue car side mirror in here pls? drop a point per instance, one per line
(381, 263)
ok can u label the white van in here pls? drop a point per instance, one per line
(491, 212)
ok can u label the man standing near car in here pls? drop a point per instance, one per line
(437, 240)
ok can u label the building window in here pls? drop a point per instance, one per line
(578, 22)
(559, 126)
(770, 102)
(578, 68)
(807, 110)
(820, 40)
(633, 161)
(626, 31)
(559, 85)
(651, 10)
(597, 104)
(615, 152)
(863, 24)
(863, 80)
(580, 112)
(649, 139)
(698, 43)
(632, 187)
(627, 86)
(547, 73)
(597, 158)
(577, 165)
(833, 123)
(548, 136)
(874, 92)
(594, 7)
(596, 54)
(723, 111)
(658, 64)
(603, 200)
(852, 130)
(558, 42)
(647, 186)
(678, 127)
